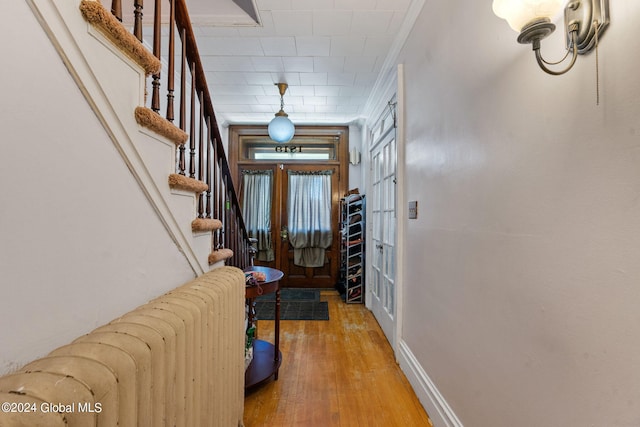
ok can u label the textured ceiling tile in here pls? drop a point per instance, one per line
(326, 108)
(342, 79)
(302, 91)
(226, 63)
(347, 109)
(327, 90)
(237, 46)
(345, 46)
(338, 100)
(377, 46)
(315, 100)
(224, 77)
(304, 109)
(314, 4)
(267, 63)
(278, 46)
(329, 23)
(210, 31)
(224, 89)
(258, 78)
(360, 63)
(269, 99)
(393, 4)
(291, 79)
(313, 78)
(355, 4)
(298, 64)
(313, 45)
(292, 23)
(371, 22)
(330, 64)
(234, 99)
(353, 91)
(274, 4)
(261, 108)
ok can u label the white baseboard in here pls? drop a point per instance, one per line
(439, 411)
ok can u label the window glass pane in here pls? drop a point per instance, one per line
(300, 149)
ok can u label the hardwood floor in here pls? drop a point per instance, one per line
(336, 373)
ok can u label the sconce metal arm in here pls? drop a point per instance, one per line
(543, 64)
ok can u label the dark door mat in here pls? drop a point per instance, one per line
(293, 294)
(293, 310)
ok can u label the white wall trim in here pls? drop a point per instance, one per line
(439, 411)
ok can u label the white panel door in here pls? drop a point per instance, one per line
(383, 233)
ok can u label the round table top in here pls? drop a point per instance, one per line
(272, 274)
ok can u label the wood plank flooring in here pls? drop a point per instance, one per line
(339, 372)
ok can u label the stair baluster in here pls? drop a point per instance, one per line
(137, 22)
(207, 160)
(116, 9)
(183, 101)
(157, 23)
(171, 60)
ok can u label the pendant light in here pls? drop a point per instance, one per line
(280, 128)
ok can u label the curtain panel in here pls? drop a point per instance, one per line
(256, 210)
(309, 216)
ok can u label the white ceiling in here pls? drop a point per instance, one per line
(329, 52)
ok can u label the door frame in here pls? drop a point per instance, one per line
(238, 160)
(394, 87)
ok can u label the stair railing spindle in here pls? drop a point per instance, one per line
(183, 101)
(157, 22)
(171, 60)
(208, 174)
(116, 9)
(137, 21)
(201, 159)
(192, 133)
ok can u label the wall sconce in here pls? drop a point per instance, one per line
(354, 157)
(584, 22)
(280, 128)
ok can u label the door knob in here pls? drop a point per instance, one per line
(284, 233)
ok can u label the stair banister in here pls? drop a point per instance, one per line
(207, 161)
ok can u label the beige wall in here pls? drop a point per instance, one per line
(522, 288)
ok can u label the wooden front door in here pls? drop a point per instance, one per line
(299, 276)
(249, 150)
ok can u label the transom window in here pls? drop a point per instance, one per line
(299, 149)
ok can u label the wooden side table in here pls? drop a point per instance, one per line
(266, 356)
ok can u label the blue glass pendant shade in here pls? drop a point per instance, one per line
(281, 129)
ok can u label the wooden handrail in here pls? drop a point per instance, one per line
(206, 160)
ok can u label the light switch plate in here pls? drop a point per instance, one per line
(413, 209)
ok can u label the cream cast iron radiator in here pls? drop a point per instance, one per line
(176, 361)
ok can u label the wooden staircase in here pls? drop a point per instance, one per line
(181, 168)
